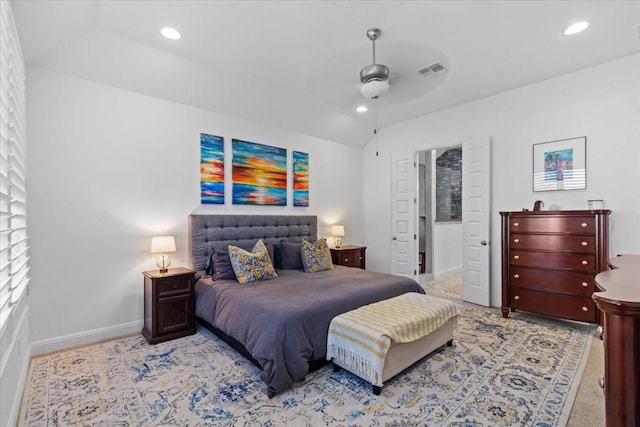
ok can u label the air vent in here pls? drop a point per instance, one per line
(432, 69)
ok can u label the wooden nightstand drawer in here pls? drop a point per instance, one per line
(174, 285)
(349, 256)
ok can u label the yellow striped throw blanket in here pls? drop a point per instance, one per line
(360, 339)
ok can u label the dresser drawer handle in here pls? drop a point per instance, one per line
(584, 244)
(516, 224)
(584, 284)
(583, 225)
(346, 260)
(516, 240)
(585, 262)
(517, 297)
(516, 257)
(585, 309)
(516, 276)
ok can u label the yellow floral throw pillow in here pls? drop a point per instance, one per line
(252, 266)
(316, 256)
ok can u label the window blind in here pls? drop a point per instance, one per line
(14, 240)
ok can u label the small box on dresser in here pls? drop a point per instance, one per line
(550, 259)
(349, 256)
(169, 304)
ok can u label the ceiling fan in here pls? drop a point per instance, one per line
(374, 77)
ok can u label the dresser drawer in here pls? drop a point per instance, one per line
(553, 260)
(173, 285)
(551, 224)
(553, 242)
(559, 305)
(570, 282)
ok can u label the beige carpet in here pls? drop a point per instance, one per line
(588, 408)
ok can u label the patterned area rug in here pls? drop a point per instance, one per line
(521, 371)
(448, 287)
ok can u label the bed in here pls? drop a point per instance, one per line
(281, 324)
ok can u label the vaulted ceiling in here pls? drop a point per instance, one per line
(295, 64)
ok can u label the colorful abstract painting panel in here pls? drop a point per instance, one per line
(259, 174)
(300, 179)
(211, 169)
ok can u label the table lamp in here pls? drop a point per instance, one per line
(337, 231)
(161, 245)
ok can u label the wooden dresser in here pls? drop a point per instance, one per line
(349, 256)
(550, 259)
(619, 300)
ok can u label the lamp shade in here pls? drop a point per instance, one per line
(374, 88)
(162, 244)
(337, 230)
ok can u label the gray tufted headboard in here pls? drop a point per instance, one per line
(205, 230)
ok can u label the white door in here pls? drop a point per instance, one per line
(476, 211)
(403, 260)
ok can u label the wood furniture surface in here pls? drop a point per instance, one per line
(550, 259)
(169, 304)
(619, 300)
(349, 256)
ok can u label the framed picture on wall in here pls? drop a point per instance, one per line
(259, 174)
(211, 169)
(560, 165)
(300, 178)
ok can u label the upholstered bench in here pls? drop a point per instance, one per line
(378, 341)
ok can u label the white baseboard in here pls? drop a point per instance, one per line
(448, 272)
(86, 337)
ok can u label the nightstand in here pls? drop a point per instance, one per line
(349, 256)
(169, 304)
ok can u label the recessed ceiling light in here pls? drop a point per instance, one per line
(576, 28)
(170, 33)
(361, 109)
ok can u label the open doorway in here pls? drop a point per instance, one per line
(439, 194)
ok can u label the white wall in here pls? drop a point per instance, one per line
(447, 248)
(110, 168)
(601, 103)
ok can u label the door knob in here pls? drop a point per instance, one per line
(394, 238)
(484, 243)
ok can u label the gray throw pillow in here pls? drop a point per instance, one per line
(290, 258)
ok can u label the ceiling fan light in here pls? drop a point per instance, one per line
(374, 89)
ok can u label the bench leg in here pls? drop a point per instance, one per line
(336, 368)
(449, 343)
(376, 390)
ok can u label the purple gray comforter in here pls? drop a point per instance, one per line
(284, 322)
